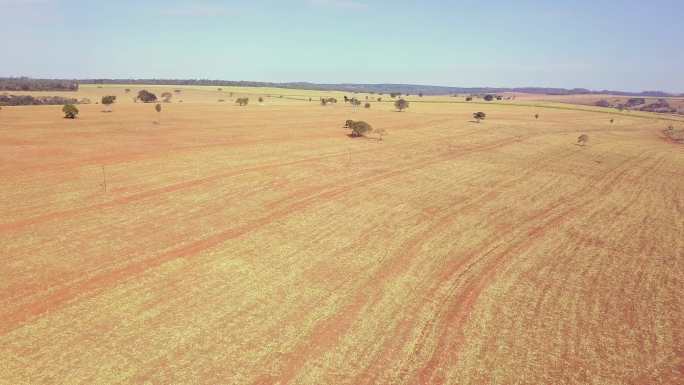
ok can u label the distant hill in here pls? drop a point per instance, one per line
(411, 89)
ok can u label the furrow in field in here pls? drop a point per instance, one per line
(59, 297)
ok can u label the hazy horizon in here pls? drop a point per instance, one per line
(598, 45)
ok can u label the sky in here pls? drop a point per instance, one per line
(597, 44)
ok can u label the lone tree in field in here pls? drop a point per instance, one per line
(158, 108)
(107, 101)
(479, 116)
(146, 96)
(166, 97)
(242, 101)
(70, 111)
(583, 139)
(401, 105)
(359, 128)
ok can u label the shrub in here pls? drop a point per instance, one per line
(401, 104)
(261, 100)
(479, 116)
(221, 100)
(488, 98)
(146, 96)
(242, 101)
(469, 99)
(127, 90)
(379, 99)
(166, 97)
(70, 111)
(367, 105)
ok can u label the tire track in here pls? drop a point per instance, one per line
(451, 338)
(62, 296)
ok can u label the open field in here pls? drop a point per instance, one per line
(261, 245)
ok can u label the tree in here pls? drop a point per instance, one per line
(261, 100)
(488, 98)
(359, 128)
(469, 99)
(158, 108)
(583, 139)
(166, 97)
(367, 105)
(401, 105)
(146, 96)
(70, 111)
(242, 101)
(107, 101)
(379, 99)
(479, 116)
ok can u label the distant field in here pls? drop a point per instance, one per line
(261, 245)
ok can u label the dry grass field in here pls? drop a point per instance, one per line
(261, 245)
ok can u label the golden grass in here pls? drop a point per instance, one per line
(260, 245)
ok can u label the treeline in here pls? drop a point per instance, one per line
(411, 89)
(28, 100)
(28, 84)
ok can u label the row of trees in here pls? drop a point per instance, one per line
(27, 84)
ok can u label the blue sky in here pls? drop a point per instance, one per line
(622, 45)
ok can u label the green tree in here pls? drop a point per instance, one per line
(479, 116)
(401, 105)
(70, 111)
(146, 96)
(107, 101)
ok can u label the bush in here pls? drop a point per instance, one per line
(401, 104)
(367, 105)
(488, 98)
(146, 96)
(70, 111)
(261, 100)
(166, 97)
(469, 99)
(242, 101)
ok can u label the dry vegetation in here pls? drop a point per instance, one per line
(261, 245)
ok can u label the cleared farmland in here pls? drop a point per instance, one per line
(261, 245)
